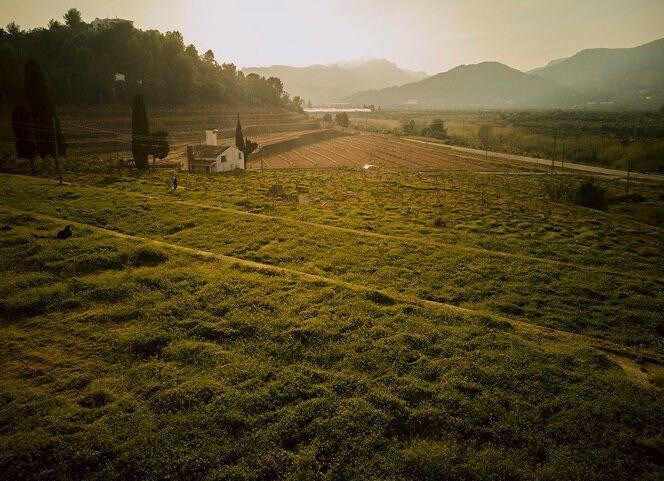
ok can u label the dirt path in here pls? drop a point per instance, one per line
(592, 169)
(407, 239)
(622, 356)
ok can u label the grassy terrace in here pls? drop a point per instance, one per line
(126, 358)
(611, 286)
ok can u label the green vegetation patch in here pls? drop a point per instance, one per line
(203, 371)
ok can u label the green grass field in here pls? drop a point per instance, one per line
(389, 325)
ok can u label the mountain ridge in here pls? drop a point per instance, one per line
(626, 78)
(332, 82)
(630, 76)
(486, 84)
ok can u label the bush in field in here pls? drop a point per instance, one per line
(591, 195)
(436, 129)
(159, 147)
(408, 127)
(342, 119)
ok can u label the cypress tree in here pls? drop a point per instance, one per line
(140, 133)
(24, 132)
(239, 138)
(43, 112)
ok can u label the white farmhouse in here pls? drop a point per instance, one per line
(213, 157)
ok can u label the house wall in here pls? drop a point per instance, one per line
(231, 159)
(211, 137)
(234, 159)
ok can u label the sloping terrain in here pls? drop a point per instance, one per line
(488, 84)
(626, 76)
(177, 336)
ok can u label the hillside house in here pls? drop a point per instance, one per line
(212, 156)
(108, 23)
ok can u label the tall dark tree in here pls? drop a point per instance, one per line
(73, 19)
(24, 133)
(141, 144)
(239, 138)
(43, 112)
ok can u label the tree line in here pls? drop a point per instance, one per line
(37, 130)
(88, 66)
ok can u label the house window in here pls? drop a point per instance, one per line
(239, 155)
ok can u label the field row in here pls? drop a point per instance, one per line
(358, 151)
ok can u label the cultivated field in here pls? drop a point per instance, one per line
(612, 139)
(442, 313)
(384, 151)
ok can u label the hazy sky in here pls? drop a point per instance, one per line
(431, 35)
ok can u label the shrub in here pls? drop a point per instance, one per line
(438, 222)
(591, 195)
(146, 344)
(95, 399)
(380, 298)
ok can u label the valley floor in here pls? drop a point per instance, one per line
(421, 319)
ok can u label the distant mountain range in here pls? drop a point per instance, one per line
(625, 76)
(618, 78)
(334, 82)
(487, 84)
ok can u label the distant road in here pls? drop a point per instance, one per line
(591, 169)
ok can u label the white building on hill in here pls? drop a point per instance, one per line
(107, 23)
(213, 157)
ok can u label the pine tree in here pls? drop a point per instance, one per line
(140, 133)
(43, 112)
(24, 132)
(239, 138)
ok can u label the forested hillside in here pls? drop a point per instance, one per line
(83, 63)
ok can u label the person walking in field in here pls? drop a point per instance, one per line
(174, 182)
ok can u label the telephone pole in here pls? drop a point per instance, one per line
(57, 156)
(553, 157)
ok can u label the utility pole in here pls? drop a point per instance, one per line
(553, 157)
(629, 159)
(57, 156)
